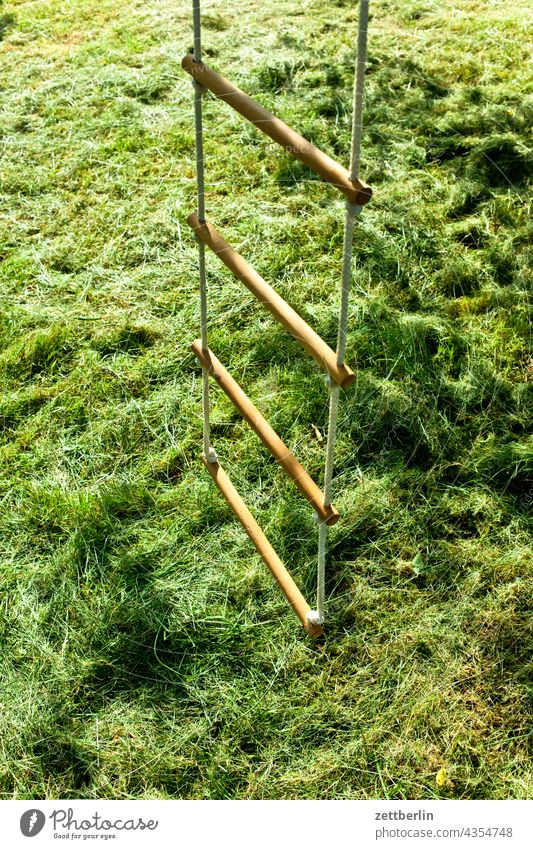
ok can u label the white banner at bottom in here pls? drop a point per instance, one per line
(268, 824)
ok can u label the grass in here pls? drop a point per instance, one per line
(146, 652)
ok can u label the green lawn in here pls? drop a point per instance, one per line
(145, 650)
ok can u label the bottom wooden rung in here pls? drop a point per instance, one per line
(292, 593)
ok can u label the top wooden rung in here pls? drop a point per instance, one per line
(356, 191)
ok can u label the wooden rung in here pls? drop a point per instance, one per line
(356, 191)
(267, 435)
(308, 339)
(292, 593)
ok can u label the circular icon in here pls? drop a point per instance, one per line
(32, 822)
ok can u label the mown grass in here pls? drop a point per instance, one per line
(145, 651)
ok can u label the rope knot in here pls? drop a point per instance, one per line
(315, 618)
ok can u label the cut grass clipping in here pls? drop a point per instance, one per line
(146, 652)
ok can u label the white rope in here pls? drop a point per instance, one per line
(332, 433)
(359, 87)
(321, 583)
(346, 279)
(200, 184)
(328, 475)
(352, 210)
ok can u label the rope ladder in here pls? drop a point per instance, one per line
(338, 374)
